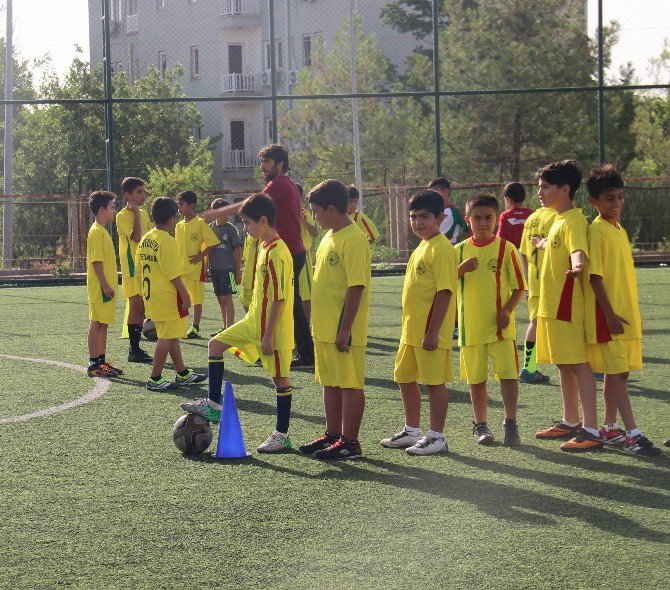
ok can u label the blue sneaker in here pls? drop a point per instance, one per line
(527, 377)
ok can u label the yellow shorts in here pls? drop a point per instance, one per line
(618, 356)
(333, 368)
(196, 290)
(305, 279)
(475, 361)
(243, 344)
(245, 297)
(431, 367)
(103, 313)
(560, 343)
(131, 286)
(170, 329)
(533, 305)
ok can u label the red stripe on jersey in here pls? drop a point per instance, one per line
(253, 275)
(430, 315)
(564, 311)
(264, 304)
(275, 283)
(237, 352)
(277, 366)
(368, 229)
(501, 257)
(516, 356)
(203, 274)
(602, 331)
(517, 271)
(356, 214)
(271, 242)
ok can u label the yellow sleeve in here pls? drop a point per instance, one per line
(97, 247)
(597, 251)
(354, 253)
(369, 227)
(208, 236)
(575, 237)
(124, 223)
(445, 269)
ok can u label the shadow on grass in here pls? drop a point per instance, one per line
(661, 395)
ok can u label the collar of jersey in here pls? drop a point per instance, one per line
(478, 245)
(266, 244)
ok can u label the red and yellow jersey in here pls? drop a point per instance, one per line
(537, 226)
(192, 238)
(100, 248)
(159, 261)
(125, 222)
(483, 292)
(342, 261)
(364, 223)
(611, 257)
(307, 238)
(562, 297)
(431, 268)
(273, 282)
(250, 259)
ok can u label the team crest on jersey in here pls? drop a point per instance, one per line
(492, 265)
(556, 242)
(333, 258)
(194, 237)
(421, 268)
(533, 223)
(263, 269)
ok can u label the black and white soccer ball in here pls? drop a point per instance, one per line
(191, 434)
(149, 330)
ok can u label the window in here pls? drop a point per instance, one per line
(307, 51)
(268, 61)
(195, 63)
(197, 132)
(134, 63)
(132, 7)
(160, 4)
(237, 135)
(268, 130)
(116, 11)
(280, 55)
(117, 67)
(162, 63)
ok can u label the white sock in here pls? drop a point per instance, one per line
(214, 405)
(593, 431)
(610, 427)
(632, 433)
(412, 431)
(571, 424)
(434, 434)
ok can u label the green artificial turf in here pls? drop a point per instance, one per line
(98, 497)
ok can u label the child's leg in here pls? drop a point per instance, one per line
(570, 393)
(176, 356)
(94, 339)
(135, 318)
(616, 396)
(307, 306)
(215, 368)
(439, 402)
(530, 352)
(509, 388)
(587, 392)
(353, 406)
(479, 399)
(197, 314)
(411, 401)
(284, 398)
(222, 306)
(332, 406)
(160, 354)
(228, 310)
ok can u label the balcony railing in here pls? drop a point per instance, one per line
(240, 7)
(239, 83)
(240, 158)
(132, 23)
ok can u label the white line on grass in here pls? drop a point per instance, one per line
(100, 389)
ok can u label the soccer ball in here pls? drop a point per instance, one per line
(149, 330)
(191, 434)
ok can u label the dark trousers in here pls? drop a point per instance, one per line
(303, 336)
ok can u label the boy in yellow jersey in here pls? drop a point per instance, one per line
(195, 240)
(362, 221)
(101, 282)
(491, 286)
(561, 339)
(308, 231)
(250, 260)
(266, 331)
(535, 230)
(132, 222)
(428, 314)
(164, 291)
(341, 301)
(613, 324)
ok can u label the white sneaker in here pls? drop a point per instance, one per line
(401, 440)
(428, 446)
(276, 442)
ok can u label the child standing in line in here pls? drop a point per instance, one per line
(491, 286)
(362, 221)
(308, 231)
(513, 219)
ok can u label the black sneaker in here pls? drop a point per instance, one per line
(483, 433)
(340, 449)
(301, 362)
(323, 442)
(139, 357)
(512, 438)
(641, 445)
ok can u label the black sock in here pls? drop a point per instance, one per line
(197, 327)
(93, 362)
(101, 359)
(135, 335)
(156, 378)
(183, 373)
(284, 398)
(509, 421)
(215, 368)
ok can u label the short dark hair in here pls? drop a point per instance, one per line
(603, 178)
(440, 183)
(515, 191)
(260, 205)
(354, 195)
(188, 197)
(429, 200)
(330, 192)
(130, 183)
(561, 173)
(482, 200)
(277, 153)
(219, 202)
(162, 209)
(100, 200)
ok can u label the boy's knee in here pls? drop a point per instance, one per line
(216, 348)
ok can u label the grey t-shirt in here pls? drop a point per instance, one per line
(222, 256)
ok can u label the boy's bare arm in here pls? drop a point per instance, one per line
(352, 301)
(312, 230)
(467, 265)
(440, 306)
(100, 273)
(505, 313)
(136, 236)
(614, 321)
(185, 297)
(198, 257)
(228, 210)
(267, 344)
(237, 255)
(578, 262)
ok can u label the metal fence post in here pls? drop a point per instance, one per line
(109, 113)
(436, 83)
(273, 69)
(601, 83)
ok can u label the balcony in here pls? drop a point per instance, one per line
(240, 158)
(240, 84)
(132, 24)
(240, 14)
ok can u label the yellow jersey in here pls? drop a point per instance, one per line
(273, 282)
(125, 221)
(611, 257)
(562, 297)
(342, 261)
(192, 238)
(307, 238)
(537, 225)
(431, 268)
(483, 292)
(364, 223)
(159, 261)
(250, 258)
(100, 248)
